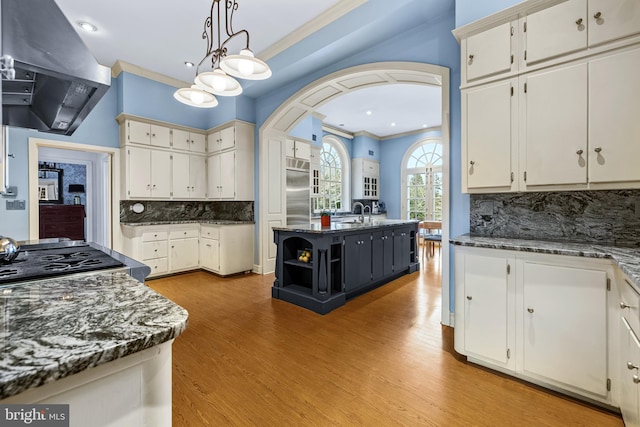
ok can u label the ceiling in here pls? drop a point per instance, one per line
(160, 38)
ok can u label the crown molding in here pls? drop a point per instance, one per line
(367, 134)
(327, 17)
(412, 132)
(120, 66)
(335, 131)
(318, 115)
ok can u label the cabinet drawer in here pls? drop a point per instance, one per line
(153, 250)
(183, 234)
(630, 298)
(210, 232)
(158, 266)
(152, 236)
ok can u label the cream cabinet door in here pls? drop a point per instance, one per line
(227, 175)
(613, 19)
(183, 254)
(198, 142)
(160, 136)
(629, 357)
(555, 31)
(181, 140)
(213, 177)
(489, 53)
(555, 126)
(614, 149)
(489, 113)
(197, 177)
(138, 132)
(210, 254)
(180, 176)
(565, 325)
(487, 308)
(227, 138)
(160, 174)
(139, 172)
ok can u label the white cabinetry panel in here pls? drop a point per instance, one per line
(613, 19)
(489, 52)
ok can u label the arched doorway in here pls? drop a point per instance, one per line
(271, 199)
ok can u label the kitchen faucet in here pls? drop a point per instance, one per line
(365, 209)
(353, 209)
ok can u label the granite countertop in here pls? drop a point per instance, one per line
(627, 259)
(337, 227)
(55, 328)
(205, 221)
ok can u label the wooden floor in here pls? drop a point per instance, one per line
(383, 359)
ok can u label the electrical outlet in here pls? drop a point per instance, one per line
(16, 205)
(486, 208)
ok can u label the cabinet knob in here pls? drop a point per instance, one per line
(597, 149)
(471, 59)
(636, 379)
(472, 162)
(598, 15)
(579, 152)
(153, 135)
(530, 310)
(147, 133)
(631, 366)
(155, 250)
(579, 22)
(469, 297)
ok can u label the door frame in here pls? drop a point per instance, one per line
(112, 185)
(271, 201)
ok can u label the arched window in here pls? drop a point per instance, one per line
(334, 176)
(423, 175)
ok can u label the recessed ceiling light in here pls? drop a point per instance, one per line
(189, 64)
(425, 126)
(393, 124)
(87, 26)
(369, 113)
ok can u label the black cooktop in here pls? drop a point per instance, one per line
(34, 264)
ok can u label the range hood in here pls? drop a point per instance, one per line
(57, 79)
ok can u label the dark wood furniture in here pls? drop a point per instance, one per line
(62, 221)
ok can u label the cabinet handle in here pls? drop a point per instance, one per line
(469, 297)
(597, 149)
(579, 22)
(623, 305)
(631, 366)
(530, 310)
(636, 379)
(597, 15)
(579, 152)
(472, 162)
(471, 59)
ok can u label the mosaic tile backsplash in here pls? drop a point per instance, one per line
(607, 217)
(186, 211)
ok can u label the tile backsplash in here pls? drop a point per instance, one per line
(186, 211)
(607, 217)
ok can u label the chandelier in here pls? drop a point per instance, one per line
(220, 81)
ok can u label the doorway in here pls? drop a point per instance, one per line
(271, 203)
(100, 185)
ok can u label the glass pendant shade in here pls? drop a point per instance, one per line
(245, 66)
(218, 82)
(195, 97)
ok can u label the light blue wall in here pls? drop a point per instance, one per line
(362, 144)
(391, 153)
(471, 10)
(347, 142)
(304, 129)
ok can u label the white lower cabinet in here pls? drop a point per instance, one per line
(628, 314)
(544, 318)
(223, 249)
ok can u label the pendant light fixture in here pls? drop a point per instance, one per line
(220, 81)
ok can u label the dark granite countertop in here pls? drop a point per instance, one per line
(627, 259)
(55, 328)
(337, 227)
(211, 221)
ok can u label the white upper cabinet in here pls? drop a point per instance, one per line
(298, 149)
(490, 113)
(145, 133)
(488, 53)
(147, 173)
(555, 31)
(189, 176)
(613, 19)
(224, 139)
(189, 141)
(614, 149)
(555, 126)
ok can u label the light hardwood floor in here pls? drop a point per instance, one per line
(383, 359)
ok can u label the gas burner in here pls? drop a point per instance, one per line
(8, 272)
(64, 257)
(60, 265)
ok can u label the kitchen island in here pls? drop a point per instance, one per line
(319, 268)
(100, 342)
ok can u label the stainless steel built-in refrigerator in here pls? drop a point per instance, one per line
(298, 203)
